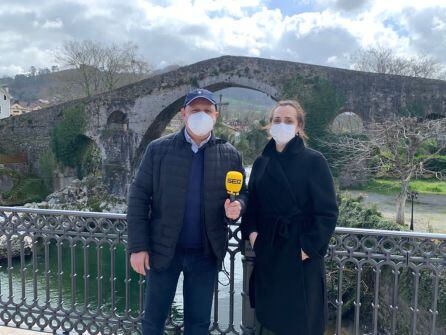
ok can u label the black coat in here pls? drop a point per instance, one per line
(157, 197)
(292, 205)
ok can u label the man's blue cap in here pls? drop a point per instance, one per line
(199, 93)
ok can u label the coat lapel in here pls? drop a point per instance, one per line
(275, 171)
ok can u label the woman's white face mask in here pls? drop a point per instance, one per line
(200, 123)
(283, 133)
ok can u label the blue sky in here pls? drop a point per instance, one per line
(324, 32)
(291, 7)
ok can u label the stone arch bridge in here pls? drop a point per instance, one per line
(122, 122)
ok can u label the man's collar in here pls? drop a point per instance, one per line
(194, 146)
(182, 135)
(189, 138)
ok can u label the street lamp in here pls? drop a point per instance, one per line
(412, 196)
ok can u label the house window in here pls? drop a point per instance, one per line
(4, 97)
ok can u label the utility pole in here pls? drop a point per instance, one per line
(412, 196)
(221, 104)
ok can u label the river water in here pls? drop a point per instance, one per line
(71, 283)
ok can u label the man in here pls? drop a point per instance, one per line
(177, 210)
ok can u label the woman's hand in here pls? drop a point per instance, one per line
(252, 238)
(233, 209)
(304, 255)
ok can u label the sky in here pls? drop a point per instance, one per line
(323, 32)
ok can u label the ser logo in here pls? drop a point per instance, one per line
(234, 181)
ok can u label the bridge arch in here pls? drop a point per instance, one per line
(158, 125)
(118, 120)
(347, 122)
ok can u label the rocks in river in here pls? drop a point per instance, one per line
(16, 242)
(88, 194)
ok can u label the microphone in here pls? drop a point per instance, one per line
(234, 182)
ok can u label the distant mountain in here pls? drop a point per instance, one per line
(164, 70)
(42, 86)
(54, 86)
(245, 104)
(243, 94)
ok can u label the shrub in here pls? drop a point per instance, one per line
(47, 164)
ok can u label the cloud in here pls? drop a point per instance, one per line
(321, 32)
(427, 29)
(345, 6)
(351, 5)
(327, 46)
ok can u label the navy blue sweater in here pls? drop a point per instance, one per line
(191, 232)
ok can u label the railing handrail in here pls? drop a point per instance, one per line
(119, 216)
(106, 215)
(392, 233)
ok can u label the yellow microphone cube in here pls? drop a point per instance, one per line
(234, 182)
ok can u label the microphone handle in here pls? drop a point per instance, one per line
(232, 197)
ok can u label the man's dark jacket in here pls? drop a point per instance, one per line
(157, 197)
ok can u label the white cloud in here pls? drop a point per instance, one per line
(10, 70)
(56, 24)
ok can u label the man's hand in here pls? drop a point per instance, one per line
(304, 255)
(252, 238)
(140, 262)
(233, 209)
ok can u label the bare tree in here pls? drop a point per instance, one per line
(384, 60)
(392, 148)
(84, 56)
(33, 71)
(121, 65)
(102, 67)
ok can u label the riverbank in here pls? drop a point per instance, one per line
(429, 209)
(88, 194)
(393, 187)
(16, 246)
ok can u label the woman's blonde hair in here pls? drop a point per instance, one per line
(300, 115)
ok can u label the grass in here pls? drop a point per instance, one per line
(30, 189)
(391, 186)
(422, 186)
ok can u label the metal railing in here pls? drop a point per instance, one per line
(68, 272)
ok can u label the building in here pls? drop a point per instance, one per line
(176, 122)
(38, 104)
(237, 125)
(18, 109)
(5, 103)
(21, 107)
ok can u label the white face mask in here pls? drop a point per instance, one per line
(200, 123)
(282, 133)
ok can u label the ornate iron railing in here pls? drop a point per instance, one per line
(68, 272)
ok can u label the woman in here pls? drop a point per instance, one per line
(290, 219)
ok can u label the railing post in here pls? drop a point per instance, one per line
(248, 320)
